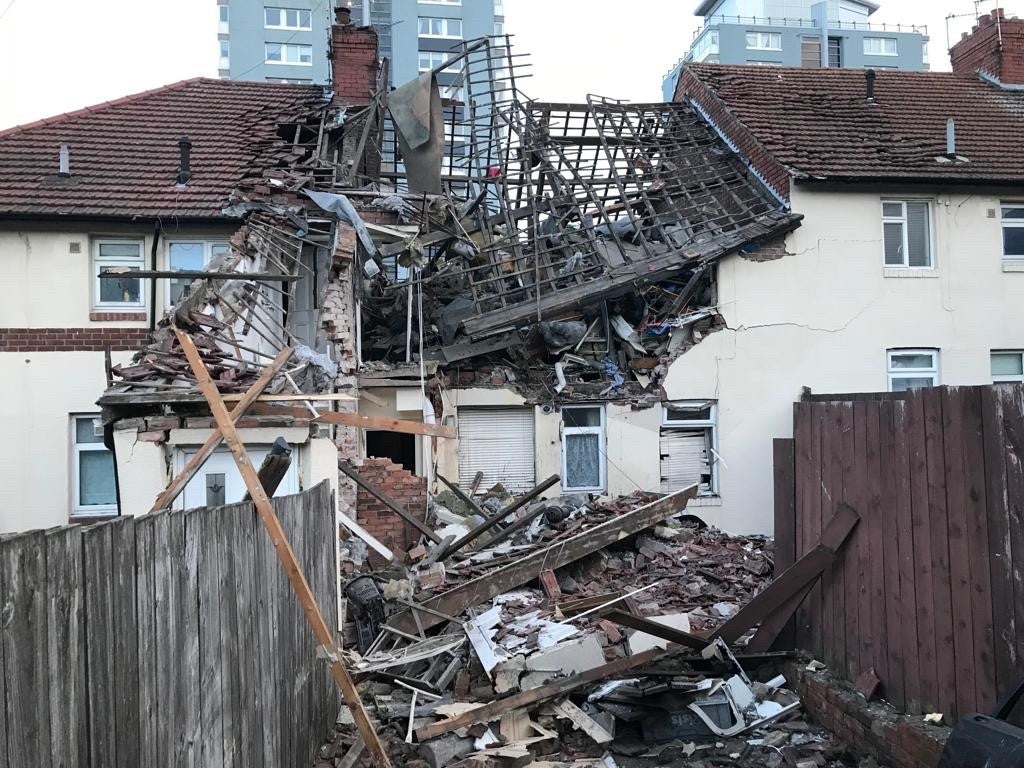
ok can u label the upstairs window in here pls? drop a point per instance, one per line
(1007, 366)
(764, 41)
(92, 469)
(444, 28)
(1013, 230)
(688, 440)
(287, 18)
(223, 19)
(440, 2)
(429, 60)
(225, 54)
(881, 46)
(912, 369)
(124, 256)
(191, 255)
(907, 233)
(583, 448)
(285, 53)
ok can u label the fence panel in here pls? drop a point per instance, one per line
(929, 591)
(168, 640)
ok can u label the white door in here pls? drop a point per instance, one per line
(218, 482)
(499, 443)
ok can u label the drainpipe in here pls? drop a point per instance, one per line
(152, 280)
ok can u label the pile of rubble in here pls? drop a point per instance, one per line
(584, 632)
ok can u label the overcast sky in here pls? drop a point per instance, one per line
(59, 55)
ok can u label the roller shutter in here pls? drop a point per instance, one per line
(499, 443)
(684, 460)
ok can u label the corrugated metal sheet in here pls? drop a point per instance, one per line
(499, 443)
(684, 459)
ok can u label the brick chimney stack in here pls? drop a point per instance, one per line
(353, 58)
(995, 46)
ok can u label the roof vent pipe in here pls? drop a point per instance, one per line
(64, 167)
(185, 150)
(869, 76)
(951, 139)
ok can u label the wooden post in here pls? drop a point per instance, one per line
(284, 551)
(177, 485)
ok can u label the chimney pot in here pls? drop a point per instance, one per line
(869, 77)
(184, 152)
(951, 139)
(343, 15)
(64, 167)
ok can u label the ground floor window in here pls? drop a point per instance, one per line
(583, 448)
(92, 469)
(499, 443)
(912, 369)
(1007, 365)
(688, 446)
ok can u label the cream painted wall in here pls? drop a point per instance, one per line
(824, 316)
(41, 391)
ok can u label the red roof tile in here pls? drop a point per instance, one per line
(124, 153)
(819, 123)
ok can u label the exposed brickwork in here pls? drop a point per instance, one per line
(70, 339)
(772, 251)
(690, 88)
(404, 487)
(995, 46)
(870, 728)
(120, 317)
(353, 63)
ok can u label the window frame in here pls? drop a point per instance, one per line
(224, 52)
(601, 432)
(77, 508)
(282, 17)
(446, 21)
(895, 41)
(1005, 223)
(283, 47)
(431, 54)
(208, 246)
(440, 2)
(912, 373)
(904, 221)
(1006, 378)
(98, 263)
(709, 425)
(759, 47)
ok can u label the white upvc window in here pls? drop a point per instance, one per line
(689, 446)
(583, 448)
(764, 41)
(429, 60)
(192, 255)
(290, 54)
(499, 8)
(706, 45)
(499, 28)
(907, 234)
(447, 29)
(881, 46)
(93, 490)
(118, 292)
(287, 18)
(1007, 365)
(290, 80)
(440, 2)
(223, 18)
(912, 369)
(225, 53)
(1013, 230)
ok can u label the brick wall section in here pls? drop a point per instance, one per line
(982, 49)
(869, 728)
(401, 485)
(774, 173)
(119, 317)
(353, 63)
(71, 339)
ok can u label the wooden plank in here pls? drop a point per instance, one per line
(848, 557)
(499, 580)
(25, 648)
(188, 725)
(177, 485)
(980, 587)
(999, 559)
(904, 534)
(65, 640)
(583, 721)
(892, 647)
(247, 620)
(859, 610)
(318, 397)
(921, 526)
(145, 634)
(387, 424)
(945, 660)
(802, 415)
(959, 548)
(397, 507)
(269, 628)
(230, 640)
(298, 581)
(165, 654)
(826, 508)
(770, 631)
(671, 634)
(125, 642)
(99, 643)
(837, 599)
(212, 701)
(1013, 433)
(875, 531)
(784, 477)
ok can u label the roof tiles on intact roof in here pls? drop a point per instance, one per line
(819, 124)
(125, 156)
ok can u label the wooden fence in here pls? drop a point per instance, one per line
(928, 591)
(171, 639)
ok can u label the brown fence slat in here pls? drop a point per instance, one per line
(860, 611)
(891, 645)
(229, 644)
(212, 700)
(784, 468)
(125, 642)
(1013, 434)
(99, 645)
(802, 416)
(188, 723)
(907, 641)
(827, 507)
(812, 529)
(876, 631)
(145, 613)
(847, 559)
